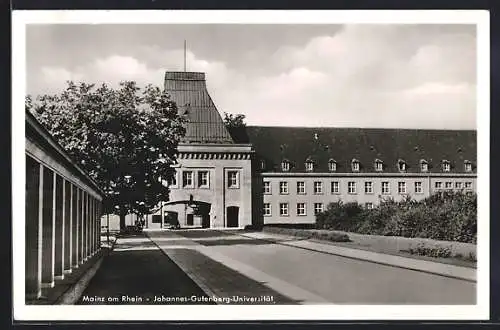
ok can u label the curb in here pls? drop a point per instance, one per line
(74, 293)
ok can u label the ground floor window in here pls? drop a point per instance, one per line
(402, 187)
(418, 187)
(267, 209)
(318, 208)
(335, 187)
(369, 206)
(301, 208)
(283, 209)
(385, 188)
(351, 187)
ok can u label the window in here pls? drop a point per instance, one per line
(458, 185)
(318, 187)
(369, 206)
(309, 166)
(232, 179)
(467, 166)
(424, 166)
(401, 165)
(385, 188)
(203, 181)
(267, 187)
(285, 166)
(446, 166)
(335, 187)
(332, 165)
(283, 187)
(379, 166)
(355, 165)
(301, 188)
(187, 179)
(301, 208)
(318, 208)
(267, 209)
(468, 185)
(448, 185)
(351, 187)
(402, 187)
(283, 209)
(368, 187)
(418, 187)
(438, 185)
(173, 181)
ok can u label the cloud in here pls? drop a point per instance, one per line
(361, 76)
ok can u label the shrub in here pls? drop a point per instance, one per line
(450, 216)
(435, 252)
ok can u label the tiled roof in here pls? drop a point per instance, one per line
(188, 90)
(297, 144)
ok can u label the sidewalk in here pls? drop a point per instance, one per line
(137, 272)
(464, 273)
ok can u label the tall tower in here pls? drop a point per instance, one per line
(213, 186)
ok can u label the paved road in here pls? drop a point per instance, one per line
(321, 276)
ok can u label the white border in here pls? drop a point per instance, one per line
(480, 311)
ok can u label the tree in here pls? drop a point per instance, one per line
(236, 127)
(125, 139)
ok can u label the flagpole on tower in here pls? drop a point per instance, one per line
(184, 55)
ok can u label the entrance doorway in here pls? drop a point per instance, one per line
(189, 219)
(232, 216)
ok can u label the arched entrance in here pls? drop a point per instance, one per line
(232, 216)
(197, 213)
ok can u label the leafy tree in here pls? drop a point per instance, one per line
(236, 125)
(125, 139)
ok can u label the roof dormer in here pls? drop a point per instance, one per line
(424, 165)
(467, 166)
(445, 165)
(285, 165)
(402, 165)
(378, 165)
(355, 165)
(332, 165)
(309, 164)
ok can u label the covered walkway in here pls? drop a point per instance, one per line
(63, 208)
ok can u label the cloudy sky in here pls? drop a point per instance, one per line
(408, 76)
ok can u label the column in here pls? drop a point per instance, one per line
(48, 232)
(98, 225)
(75, 226)
(81, 228)
(92, 226)
(59, 228)
(68, 226)
(33, 238)
(89, 225)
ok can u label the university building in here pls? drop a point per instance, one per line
(269, 175)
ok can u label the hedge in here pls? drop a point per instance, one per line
(448, 216)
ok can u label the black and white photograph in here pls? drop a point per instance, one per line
(251, 165)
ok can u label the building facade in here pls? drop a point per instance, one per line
(269, 175)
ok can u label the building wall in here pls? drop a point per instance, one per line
(218, 161)
(274, 198)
